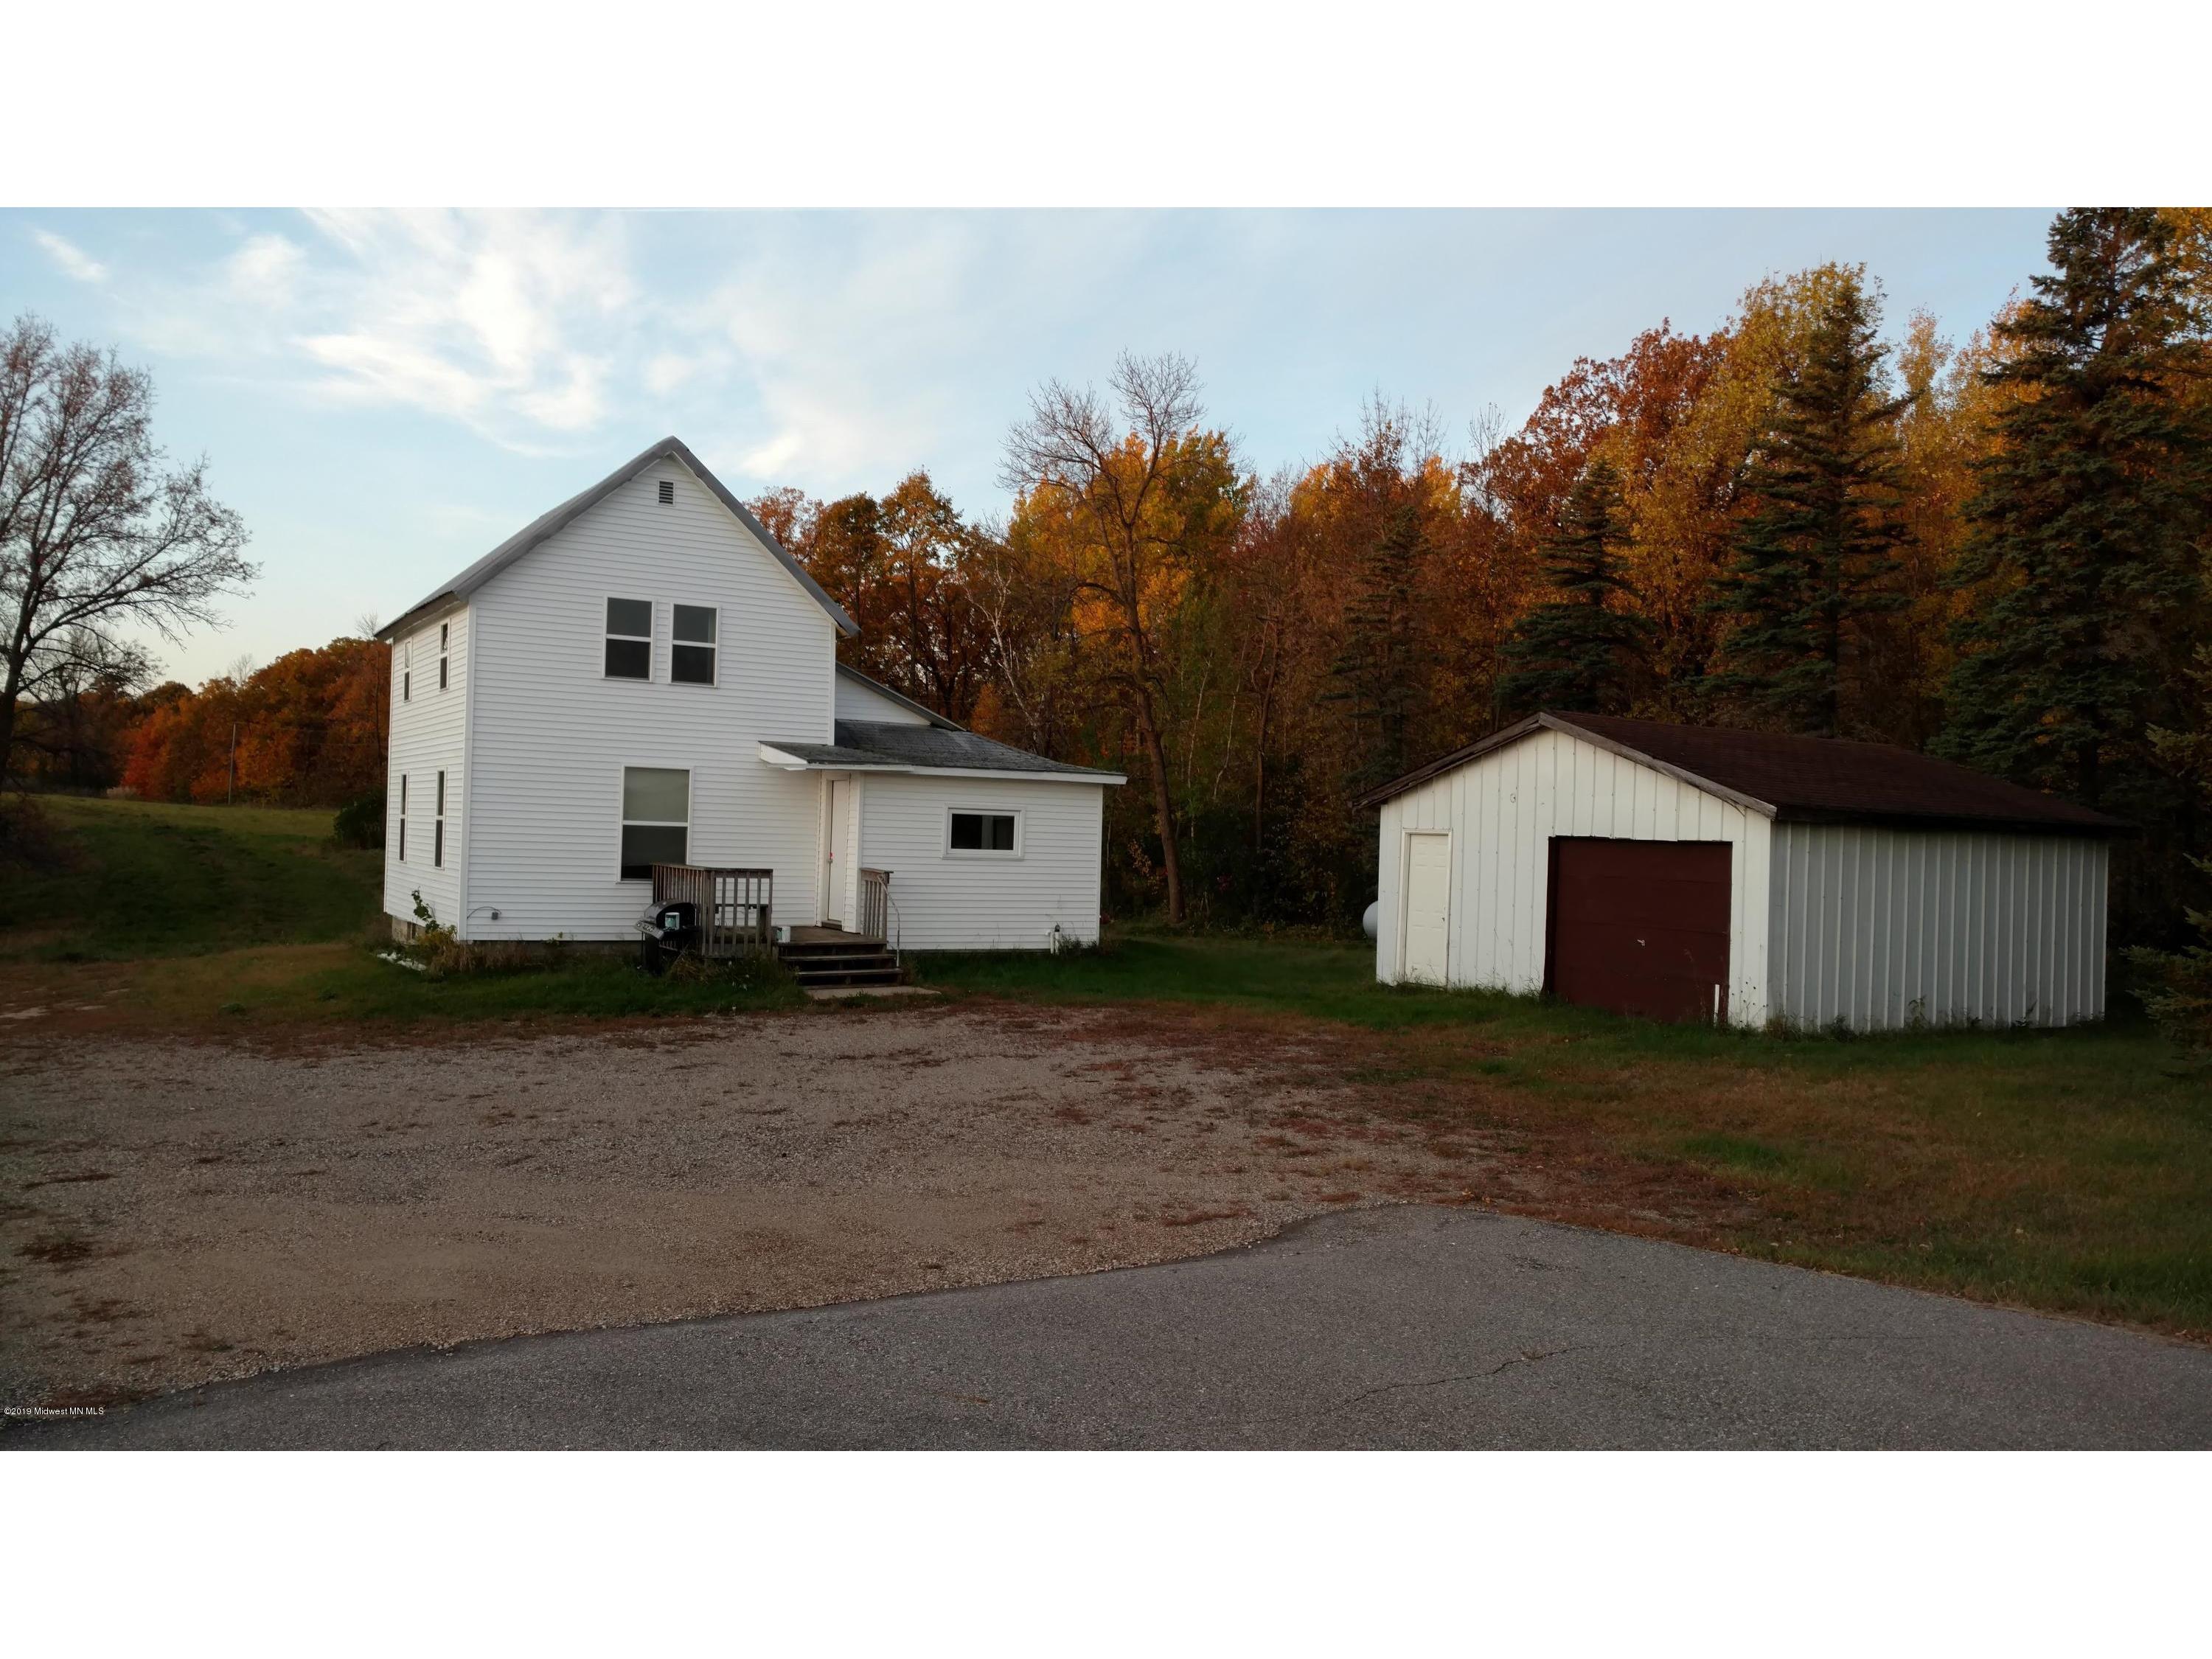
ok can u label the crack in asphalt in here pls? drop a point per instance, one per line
(1506, 1364)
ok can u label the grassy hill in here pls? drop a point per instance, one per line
(143, 879)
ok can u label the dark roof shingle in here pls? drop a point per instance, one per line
(931, 748)
(1805, 780)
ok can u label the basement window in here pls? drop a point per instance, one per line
(982, 835)
(656, 819)
(629, 639)
(692, 655)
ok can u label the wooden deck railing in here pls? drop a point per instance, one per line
(736, 908)
(875, 903)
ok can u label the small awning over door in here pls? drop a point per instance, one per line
(1640, 926)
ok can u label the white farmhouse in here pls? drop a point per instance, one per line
(1688, 872)
(642, 677)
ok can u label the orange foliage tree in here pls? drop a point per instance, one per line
(306, 731)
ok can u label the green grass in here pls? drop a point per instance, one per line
(145, 879)
(235, 916)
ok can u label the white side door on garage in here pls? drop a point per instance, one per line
(1427, 928)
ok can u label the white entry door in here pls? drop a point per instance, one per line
(1423, 940)
(833, 853)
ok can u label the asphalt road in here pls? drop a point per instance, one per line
(1399, 1328)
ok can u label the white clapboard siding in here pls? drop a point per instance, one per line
(972, 903)
(856, 701)
(1503, 808)
(428, 733)
(1881, 927)
(551, 735)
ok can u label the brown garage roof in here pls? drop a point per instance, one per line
(1802, 780)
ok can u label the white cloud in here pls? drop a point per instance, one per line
(670, 371)
(265, 270)
(73, 260)
(501, 320)
(829, 351)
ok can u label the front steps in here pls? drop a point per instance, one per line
(819, 964)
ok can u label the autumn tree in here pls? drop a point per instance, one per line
(97, 535)
(1581, 649)
(1134, 499)
(1818, 554)
(1674, 414)
(903, 569)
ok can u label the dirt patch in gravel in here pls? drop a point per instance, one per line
(174, 1212)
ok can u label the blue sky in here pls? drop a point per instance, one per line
(385, 396)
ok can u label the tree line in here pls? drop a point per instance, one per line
(1815, 518)
(1994, 549)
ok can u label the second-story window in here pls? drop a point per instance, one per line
(629, 639)
(443, 628)
(692, 655)
(407, 673)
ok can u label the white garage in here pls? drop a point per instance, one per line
(1688, 872)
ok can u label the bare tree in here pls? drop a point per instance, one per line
(94, 532)
(1119, 478)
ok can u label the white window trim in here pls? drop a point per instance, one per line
(402, 819)
(985, 854)
(675, 644)
(438, 825)
(652, 618)
(444, 638)
(624, 821)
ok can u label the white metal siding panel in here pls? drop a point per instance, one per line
(1878, 927)
(428, 733)
(860, 702)
(1503, 808)
(551, 735)
(982, 904)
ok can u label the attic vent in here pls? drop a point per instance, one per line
(667, 493)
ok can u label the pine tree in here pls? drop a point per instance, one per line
(1819, 551)
(1580, 650)
(1376, 671)
(2080, 541)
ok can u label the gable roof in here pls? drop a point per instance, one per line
(576, 505)
(1800, 780)
(889, 746)
(883, 690)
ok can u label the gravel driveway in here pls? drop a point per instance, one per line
(177, 1212)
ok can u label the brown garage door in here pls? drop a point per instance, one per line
(1640, 926)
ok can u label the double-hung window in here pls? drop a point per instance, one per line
(403, 817)
(407, 673)
(442, 627)
(438, 829)
(629, 639)
(982, 835)
(656, 819)
(692, 647)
